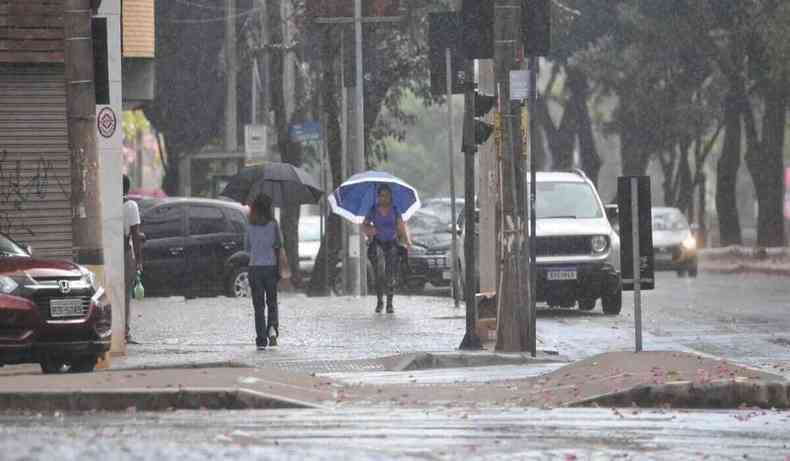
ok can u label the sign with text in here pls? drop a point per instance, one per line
(643, 233)
(309, 130)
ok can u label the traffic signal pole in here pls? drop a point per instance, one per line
(471, 341)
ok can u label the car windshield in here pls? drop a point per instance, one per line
(442, 208)
(669, 220)
(9, 248)
(309, 231)
(423, 223)
(571, 200)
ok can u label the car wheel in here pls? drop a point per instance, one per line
(587, 304)
(239, 283)
(84, 364)
(613, 303)
(52, 365)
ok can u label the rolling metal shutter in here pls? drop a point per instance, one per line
(35, 177)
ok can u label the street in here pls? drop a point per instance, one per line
(436, 434)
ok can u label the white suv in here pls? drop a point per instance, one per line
(578, 251)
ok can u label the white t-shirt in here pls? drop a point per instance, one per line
(131, 216)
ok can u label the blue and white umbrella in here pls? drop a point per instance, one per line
(354, 199)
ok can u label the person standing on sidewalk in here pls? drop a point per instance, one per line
(263, 243)
(387, 232)
(132, 249)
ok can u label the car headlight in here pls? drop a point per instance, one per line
(599, 243)
(89, 277)
(417, 250)
(7, 285)
(690, 243)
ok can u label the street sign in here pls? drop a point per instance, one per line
(643, 228)
(519, 85)
(309, 130)
(636, 242)
(255, 140)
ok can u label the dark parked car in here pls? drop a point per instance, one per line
(429, 258)
(51, 312)
(194, 247)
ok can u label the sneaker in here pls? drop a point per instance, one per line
(260, 344)
(379, 307)
(272, 336)
(390, 308)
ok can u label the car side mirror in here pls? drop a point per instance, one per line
(612, 212)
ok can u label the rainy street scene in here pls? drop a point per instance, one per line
(394, 229)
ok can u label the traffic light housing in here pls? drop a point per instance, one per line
(483, 131)
(483, 104)
(536, 27)
(477, 29)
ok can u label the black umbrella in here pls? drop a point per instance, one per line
(284, 183)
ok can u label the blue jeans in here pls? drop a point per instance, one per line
(263, 287)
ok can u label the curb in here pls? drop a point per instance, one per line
(442, 360)
(724, 394)
(147, 400)
(746, 269)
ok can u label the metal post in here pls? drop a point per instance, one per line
(637, 262)
(347, 271)
(451, 135)
(231, 137)
(359, 154)
(471, 341)
(532, 271)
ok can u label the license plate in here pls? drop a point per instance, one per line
(447, 275)
(561, 274)
(68, 307)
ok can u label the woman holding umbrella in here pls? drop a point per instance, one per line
(386, 229)
(263, 241)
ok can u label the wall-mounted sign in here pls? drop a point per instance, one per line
(106, 122)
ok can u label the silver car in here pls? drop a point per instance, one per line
(578, 250)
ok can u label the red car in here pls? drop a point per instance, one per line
(51, 312)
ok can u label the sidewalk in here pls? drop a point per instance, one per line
(745, 260)
(597, 379)
(336, 352)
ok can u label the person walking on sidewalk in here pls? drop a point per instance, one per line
(263, 243)
(132, 249)
(387, 232)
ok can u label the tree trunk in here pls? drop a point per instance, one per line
(631, 154)
(591, 161)
(727, 174)
(766, 164)
(328, 85)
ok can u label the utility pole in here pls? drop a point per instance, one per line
(81, 116)
(231, 136)
(359, 153)
(513, 324)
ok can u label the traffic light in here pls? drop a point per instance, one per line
(483, 104)
(536, 27)
(483, 131)
(477, 29)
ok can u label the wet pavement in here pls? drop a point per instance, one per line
(739, 317)
(436, 434)
(742, 318)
